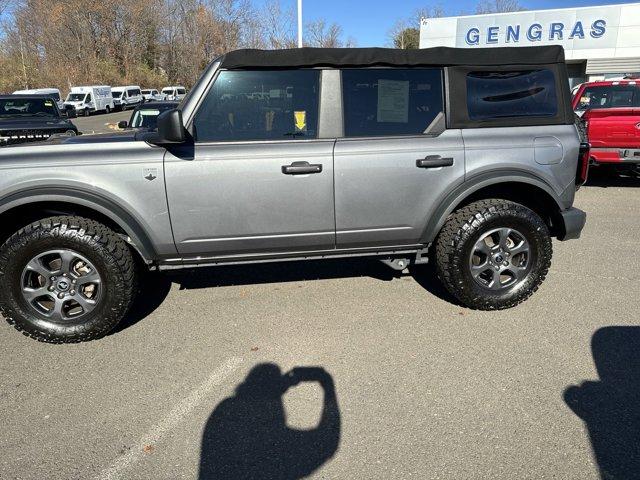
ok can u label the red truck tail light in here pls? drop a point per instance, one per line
(583, 164)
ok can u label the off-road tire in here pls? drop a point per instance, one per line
(465, 227)
(109, 253)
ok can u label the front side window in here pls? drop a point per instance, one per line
(380, 102)
(259, 105)
(88, 99)
(116, 94)
(181, 91)
(609, 96)
(526, 93)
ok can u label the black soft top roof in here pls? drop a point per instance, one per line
(390, 57)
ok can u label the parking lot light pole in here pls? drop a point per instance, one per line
(299, 23)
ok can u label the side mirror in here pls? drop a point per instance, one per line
(122, 124)
(170, 127)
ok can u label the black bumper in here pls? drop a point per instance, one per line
(572, 223)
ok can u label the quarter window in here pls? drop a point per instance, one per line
(526, 93)
(379, 102)
(259, 105)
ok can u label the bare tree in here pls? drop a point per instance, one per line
(405, 33)
(61, 43)
(498, 6)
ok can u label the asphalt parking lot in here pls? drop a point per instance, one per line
(100, 122)
(409, 386)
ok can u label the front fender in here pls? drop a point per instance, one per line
(87, 199)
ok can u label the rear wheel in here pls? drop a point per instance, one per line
(493, 254)
(65, 279)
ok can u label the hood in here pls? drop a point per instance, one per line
(112, 137)
(33, 123)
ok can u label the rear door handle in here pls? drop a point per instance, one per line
(434, 161)
(300, 168)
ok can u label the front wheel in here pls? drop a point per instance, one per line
(65, 279)
(493, 254)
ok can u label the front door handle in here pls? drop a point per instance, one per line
(434, 161)
(301, 168)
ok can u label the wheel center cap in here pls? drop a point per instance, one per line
(498, 258)
(63, 285)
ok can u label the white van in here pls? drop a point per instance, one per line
(175, 93)
(90, 99)
(52, 92)
(127, 97)
(152, 95)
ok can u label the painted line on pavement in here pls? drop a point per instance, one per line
(168, 423)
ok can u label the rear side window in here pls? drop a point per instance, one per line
(525, 93)
(181, 91)
(609, 96)
(260, 105)
(379, 102)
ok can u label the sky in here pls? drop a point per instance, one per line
(368, 21)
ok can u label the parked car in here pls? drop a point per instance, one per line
(176, 93)
(152, 95)
(29, 118)
(52, 92)
(610, 112)
(90, 99)
(127, 97)
(146, 116)
(401, 155)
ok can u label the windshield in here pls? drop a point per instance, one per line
(146, 92)
(148, 117)
(168, 91)
(116, 94)
(45, 107)
(76, 97)
(609, 96)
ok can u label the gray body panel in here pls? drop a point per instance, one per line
(234, 198)
(382, 197)
(230, 202)
(106, 176)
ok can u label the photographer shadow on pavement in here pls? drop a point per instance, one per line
(247, 437)
(610, 407)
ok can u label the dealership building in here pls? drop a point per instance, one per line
(600, 42)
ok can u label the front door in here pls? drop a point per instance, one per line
(397, 160)
(256, 180)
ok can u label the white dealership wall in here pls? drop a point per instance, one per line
(601, 41)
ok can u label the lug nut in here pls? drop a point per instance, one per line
(73, 292)
(51, 288)
(506, 264)
(64, 274)
(53, 279)
(61, 295)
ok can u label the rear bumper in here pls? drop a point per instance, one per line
(615, 155)
(573, 221)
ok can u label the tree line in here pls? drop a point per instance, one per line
(64, 43)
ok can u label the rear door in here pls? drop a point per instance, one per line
(397, 160)
(257, 179)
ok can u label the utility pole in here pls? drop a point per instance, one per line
(299, 23)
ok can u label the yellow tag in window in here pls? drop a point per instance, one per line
(301, 121)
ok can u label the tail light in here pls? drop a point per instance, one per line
(583, 164)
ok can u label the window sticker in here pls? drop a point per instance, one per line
(48, 103)
(393, 101)
(300, 121)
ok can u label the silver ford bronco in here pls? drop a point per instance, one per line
(467, 158)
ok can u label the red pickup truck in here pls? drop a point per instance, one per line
(611, 114)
